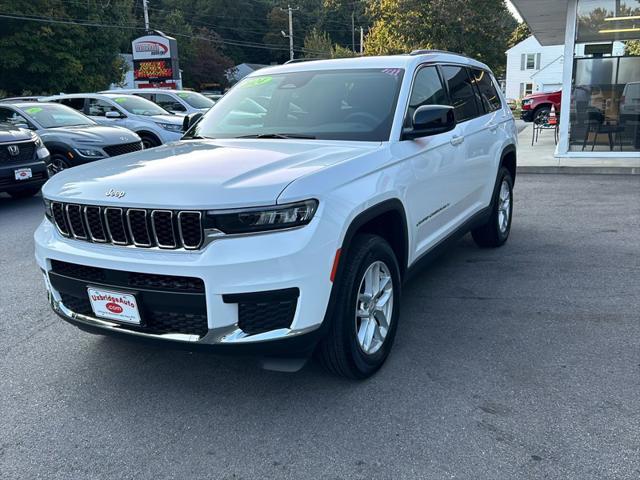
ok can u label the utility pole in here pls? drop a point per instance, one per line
(353, 29)
(361, 41)
(145, 7)
(290, 36)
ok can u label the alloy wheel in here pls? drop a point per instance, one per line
(374, 307)
(504, 206)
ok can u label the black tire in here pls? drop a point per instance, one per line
(25, 192)
(149, 141)
(340, 351)
(57, 163)
(541, 114)
(491, 235)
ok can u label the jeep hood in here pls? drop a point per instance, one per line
(201, 174)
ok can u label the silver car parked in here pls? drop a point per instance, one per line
(71, 137)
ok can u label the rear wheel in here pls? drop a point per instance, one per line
(496, 231)
(366, 312)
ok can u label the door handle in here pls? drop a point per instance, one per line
(457, 139)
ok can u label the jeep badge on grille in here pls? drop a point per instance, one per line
(115, 193)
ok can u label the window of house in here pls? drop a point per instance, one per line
(463, 94)
(530, 61)
(526, 89)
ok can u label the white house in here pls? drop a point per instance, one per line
(533, 68)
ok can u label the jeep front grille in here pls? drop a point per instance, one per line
(167, 229)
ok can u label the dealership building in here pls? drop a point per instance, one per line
(600, 106)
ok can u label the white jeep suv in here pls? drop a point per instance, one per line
(286, 220)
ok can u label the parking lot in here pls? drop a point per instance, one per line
(520, 362)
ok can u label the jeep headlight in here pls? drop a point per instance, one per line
(261, 219)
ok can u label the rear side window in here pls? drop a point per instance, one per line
(427, 90)
(488, 94)
(462, 92)
(75, 103)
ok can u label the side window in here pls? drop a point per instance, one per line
(98, 108)
(148, 96)
(488, 93)
(75, 103)
(169, 103)
(12, 118)
(462, 92)
(427, 90)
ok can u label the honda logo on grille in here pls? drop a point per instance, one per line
(13, 150)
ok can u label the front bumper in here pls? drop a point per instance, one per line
(300, 259)
(8, 183)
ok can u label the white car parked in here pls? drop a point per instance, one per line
(288, 231)
(152, 123)
(182, 102)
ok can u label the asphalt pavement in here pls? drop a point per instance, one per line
(516, 363)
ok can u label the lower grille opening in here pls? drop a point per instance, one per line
(265, 311)
(167, 303)
(154, 321)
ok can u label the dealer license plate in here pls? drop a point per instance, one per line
(23, 173)
(121, 307)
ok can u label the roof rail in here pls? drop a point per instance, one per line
(427, 51)
(298, 60)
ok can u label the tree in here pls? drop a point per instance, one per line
(520, 33)
(211, 65)
(318, 44)
(632, 47)
(477, 29)
(42, 58)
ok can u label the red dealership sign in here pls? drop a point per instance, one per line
(152, 70)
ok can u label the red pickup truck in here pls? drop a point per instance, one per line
(537, 106)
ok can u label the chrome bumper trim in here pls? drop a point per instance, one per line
(218, 336)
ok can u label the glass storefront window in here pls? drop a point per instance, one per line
(605, 98)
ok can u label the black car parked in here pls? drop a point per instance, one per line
(23, 162)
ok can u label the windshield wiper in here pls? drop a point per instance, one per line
(278, 135)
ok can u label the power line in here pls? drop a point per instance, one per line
(85, 23)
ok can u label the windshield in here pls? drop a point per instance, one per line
(196, 100)
(51, 115)
(328, 104)
(139, 106)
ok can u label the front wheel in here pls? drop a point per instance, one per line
(57, 164)
(496, 231)
(367, 309)
(149, 141)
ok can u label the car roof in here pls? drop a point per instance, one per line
(406, 61)
(147, 90)
(86, 95)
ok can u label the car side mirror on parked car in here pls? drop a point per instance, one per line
(430, 120)
(190, 120)
(112, 114)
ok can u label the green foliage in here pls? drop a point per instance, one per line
(52, 58)
(479, 29)
(632, 47)
(520, 33)
(318, 44)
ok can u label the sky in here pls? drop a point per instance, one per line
(513, 11)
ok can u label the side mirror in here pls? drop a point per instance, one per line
(190, 120)
(112, 114)
(430, 120)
